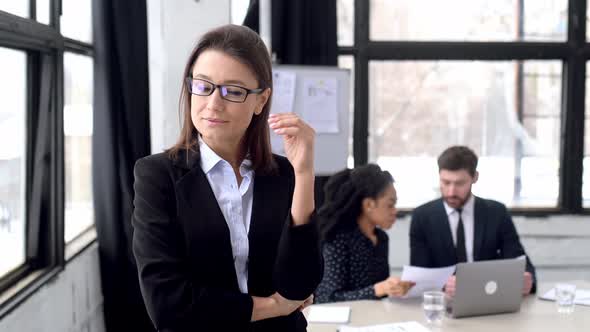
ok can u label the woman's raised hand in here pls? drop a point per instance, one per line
(298, 138)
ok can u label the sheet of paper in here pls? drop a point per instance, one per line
(319, 314)
(283, 98)
(582, 296)
(394, 327)
(320, 104)
(426, 278)
(283, 94)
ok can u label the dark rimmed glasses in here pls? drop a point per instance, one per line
(229, 92)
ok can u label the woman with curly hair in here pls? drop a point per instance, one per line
(359, 204)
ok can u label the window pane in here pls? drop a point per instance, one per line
(586, 174)
(239, 8)
(12, 158)
(78, 77)
(345, 10)
(431, 105)
(468, 20)
(16, 7)
(76, 20)
(43, 11)
(347, 62)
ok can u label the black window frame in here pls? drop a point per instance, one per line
(574, 53)
(45, 245)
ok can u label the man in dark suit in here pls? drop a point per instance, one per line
(460, 227)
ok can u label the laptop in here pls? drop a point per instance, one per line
(488, 287)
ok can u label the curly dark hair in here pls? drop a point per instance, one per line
(344, 193)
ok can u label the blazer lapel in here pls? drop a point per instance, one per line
(268, 190)
(269, 211)
(261, 191)
(479, 225)
(203, 220)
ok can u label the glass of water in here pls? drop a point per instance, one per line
(564, 297)
(434, 307)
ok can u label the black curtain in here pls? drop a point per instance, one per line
(303, 33)
(121, 136)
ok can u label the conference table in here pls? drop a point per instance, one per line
(535, 315)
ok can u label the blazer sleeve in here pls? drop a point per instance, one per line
(173, 301)
(336, 278)
(511, 246)
(299, 265)
(419, 255)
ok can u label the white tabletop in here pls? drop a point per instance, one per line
(535, 315)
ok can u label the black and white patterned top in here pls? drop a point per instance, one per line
(352, 266)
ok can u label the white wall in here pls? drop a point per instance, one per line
(559, 246)
(174, 27)
(72, 302)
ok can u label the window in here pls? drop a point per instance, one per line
(433, 104)
(345, 29)
(239, 9)
(16, 7)
(43, 11)
(12, 158)
(79, 211)
(347, 62)
(586, 176)
(502, 77)
(46, 127)
(76, 20)
(473, 20)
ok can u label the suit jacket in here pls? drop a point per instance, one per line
(495, 237)
(184, 256)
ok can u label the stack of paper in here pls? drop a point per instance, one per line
(338, 315)
(395, 327)
(582, 296)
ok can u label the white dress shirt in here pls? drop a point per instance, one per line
(467, 218)
(235, 202)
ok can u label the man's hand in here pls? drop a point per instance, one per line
(450, 286)
(528, 283)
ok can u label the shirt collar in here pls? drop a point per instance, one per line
(209, 159)
(467, 207)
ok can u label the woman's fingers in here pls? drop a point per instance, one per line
(286, 122)
(288, 131)
(289, 124)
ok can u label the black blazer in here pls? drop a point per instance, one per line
(184, 256)
(495, 237)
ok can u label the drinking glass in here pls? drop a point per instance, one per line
(564, 297)
(434, 307)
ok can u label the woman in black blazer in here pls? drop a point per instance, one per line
(224, 231)
(359, 204)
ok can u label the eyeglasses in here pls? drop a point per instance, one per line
(233, 93)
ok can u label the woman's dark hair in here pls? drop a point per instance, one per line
(344, 193)
(246, 46)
